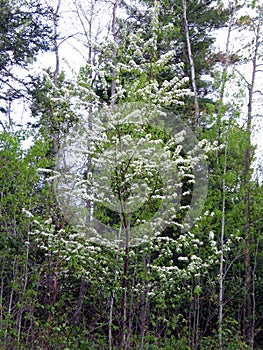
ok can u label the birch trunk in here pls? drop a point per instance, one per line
(192, 67)
(247, 330)
(223, 213)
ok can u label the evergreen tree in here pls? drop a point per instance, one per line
(25, 30)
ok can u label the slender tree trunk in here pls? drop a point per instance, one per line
(124, 328)
(21, 311)
(122, 193)
(90, 117)
(11, 296)
(56, 46)
(110, 338)
(227, 53)
(223, 212)
(222, 241)
(254, 296)
(144, 314)
(192, 67)
(131, 306)
(89, 204)
(55, 132)
(114, 53)
(247, 329)
(196, 326)
(126, 225)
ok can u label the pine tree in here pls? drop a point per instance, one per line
(25, 30)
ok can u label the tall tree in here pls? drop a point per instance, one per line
(256, 61)
(25, 30)
(192, 67)
(203, 18)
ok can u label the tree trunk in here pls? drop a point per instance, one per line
(247, 327)
(192, 67)
(222, 237)
(114, 53)
(89, 204)
(221, 268)
(55, 132)
(126, 225)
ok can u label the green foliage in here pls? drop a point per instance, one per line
(25, 30)
(52, 107)
(203, 17)
(59, 290)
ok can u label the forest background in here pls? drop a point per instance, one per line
(185, 287)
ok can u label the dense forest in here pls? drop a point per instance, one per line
(131, 200)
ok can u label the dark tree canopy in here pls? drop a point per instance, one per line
(25, 30)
